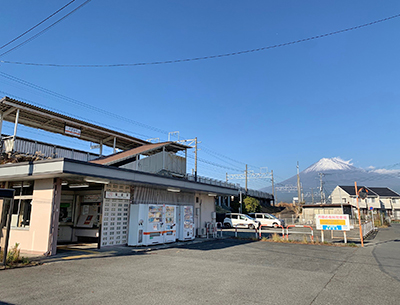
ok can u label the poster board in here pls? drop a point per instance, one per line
(333, 222)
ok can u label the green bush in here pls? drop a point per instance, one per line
(251, 205)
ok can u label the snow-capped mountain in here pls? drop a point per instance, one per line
(333, 172)
(326, 164)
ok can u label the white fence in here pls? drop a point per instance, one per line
(367, 228)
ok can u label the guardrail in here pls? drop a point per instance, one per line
(212, 229)
(299, 232)
(272, 231)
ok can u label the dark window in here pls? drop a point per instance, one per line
(234, 216)
(21, 214)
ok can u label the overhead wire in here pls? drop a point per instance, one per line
(88, 106)
(203, 57)
(36, 25)
(80, 103)
(71, 115)
(44, 30)
(94, 122)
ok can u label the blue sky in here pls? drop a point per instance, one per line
(331, 97)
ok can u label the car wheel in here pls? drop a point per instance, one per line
(275, 225)
(251, 227)
(227, 225)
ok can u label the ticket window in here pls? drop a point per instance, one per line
(88, 218)
(66, 218)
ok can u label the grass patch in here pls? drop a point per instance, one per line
(14, 258)
(276, 238)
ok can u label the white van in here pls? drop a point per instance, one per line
(240, 221)
(267, 219)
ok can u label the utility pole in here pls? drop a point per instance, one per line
(226, 177)
(273, 187)
(189, 143)
(298, 183)
(312, 195)
(195, 159)
(246, 178)
(321, 188)
(240, 200)
(247, 175)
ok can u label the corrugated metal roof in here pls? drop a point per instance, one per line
(130, 155)
(37, 117)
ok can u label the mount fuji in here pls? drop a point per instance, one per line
(333, 172)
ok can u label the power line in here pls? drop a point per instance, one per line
(204, 57)
(44, 30)
(35, 26)
(78, 117)
(79, 103)
(100, 110)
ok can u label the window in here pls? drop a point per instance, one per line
(21, 214)
(234, 216)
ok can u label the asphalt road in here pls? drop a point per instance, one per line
(225, 271)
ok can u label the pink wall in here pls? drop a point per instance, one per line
(35, 239)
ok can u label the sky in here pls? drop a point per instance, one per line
(336, 96)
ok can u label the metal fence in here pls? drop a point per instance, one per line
(46, 150)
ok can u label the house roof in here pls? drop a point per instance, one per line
(330, 205)
(350, 189)
(372, 191)
(127, 156)
(384, 191)
(36, 117)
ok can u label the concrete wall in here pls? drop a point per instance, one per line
(309, 213)
(206, 205)
(35, 238)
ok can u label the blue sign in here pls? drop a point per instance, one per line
(371, 208)
(332, 228)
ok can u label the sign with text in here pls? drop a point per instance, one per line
(76, 132)
(333, 222)
(118, 195)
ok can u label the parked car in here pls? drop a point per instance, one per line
(267, 219)
(240, 220)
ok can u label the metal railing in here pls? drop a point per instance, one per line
(367, 228)
(211, 181)
(46, 150)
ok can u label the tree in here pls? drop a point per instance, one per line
(251, 205)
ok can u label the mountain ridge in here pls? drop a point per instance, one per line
(332, 172)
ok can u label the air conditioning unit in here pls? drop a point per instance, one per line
(201, 231)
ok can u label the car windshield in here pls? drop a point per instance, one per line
(247, 216)
(272, 216)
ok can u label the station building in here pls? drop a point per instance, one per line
(75, 196)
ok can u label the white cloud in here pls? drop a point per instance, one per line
(387, 171)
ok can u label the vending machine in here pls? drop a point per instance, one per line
(186, 223)
(154, 228)
(136, 224)
(151, 224)
(170, 223)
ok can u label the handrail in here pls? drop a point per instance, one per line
(300, 226)
(278, 226)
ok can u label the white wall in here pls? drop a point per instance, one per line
(207, 207)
